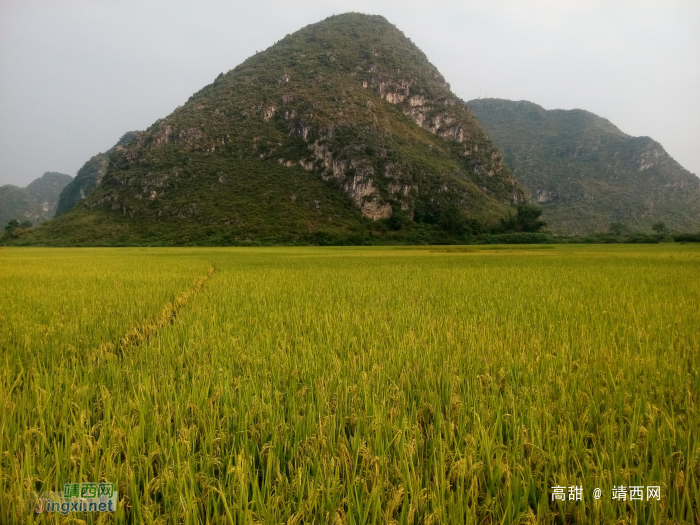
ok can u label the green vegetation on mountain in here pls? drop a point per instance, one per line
(340, 133)
(17, 204)
(46, 190)
(35, 203)
(88, 177)
(587, 175)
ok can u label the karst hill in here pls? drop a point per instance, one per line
(35, 203)
(339, 133)
(586, 173)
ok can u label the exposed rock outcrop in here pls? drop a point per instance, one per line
(587, 173)
(347, 115)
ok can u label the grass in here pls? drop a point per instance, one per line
(352, 385)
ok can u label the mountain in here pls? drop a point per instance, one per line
(340, 132)
(16, 203)
(46, 190)
(88, 177)
(35, 203)
(586, 173)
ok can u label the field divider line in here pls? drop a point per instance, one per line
(141, 333)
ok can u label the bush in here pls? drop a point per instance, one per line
(12, 225)
(643, 238)
(687, 237)
(527, 219)
(449, 217)
(660, 228)
(518, 238)
(619, 228)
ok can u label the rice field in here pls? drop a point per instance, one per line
(353, 385)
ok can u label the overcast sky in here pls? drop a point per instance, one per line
(75, 75)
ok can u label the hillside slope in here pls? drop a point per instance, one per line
(89, 176)
(342, 129)
(586, 173)
(35, 203)
(17, 204)
(46, 190)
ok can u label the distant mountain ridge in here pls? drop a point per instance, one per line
(35, 203)
(339, 130)
(17, 204)
(586, 173)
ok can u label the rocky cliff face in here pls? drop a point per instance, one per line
(586, 173)
(348, 103)
(341, 87)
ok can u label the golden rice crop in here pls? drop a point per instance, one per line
(352, 385)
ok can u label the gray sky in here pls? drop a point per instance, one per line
(75, 75)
